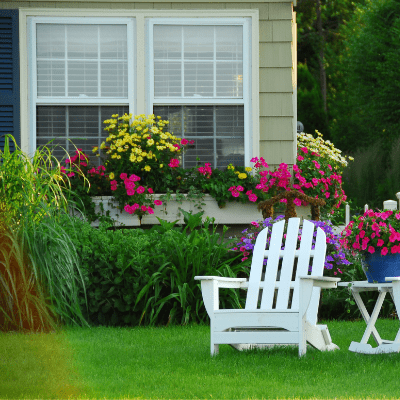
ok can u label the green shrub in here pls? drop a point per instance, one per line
(135, 276)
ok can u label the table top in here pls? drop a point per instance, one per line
(366, 284)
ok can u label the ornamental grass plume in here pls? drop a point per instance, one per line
(373, 232)
(39, 269)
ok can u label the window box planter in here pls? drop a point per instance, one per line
(233, 213)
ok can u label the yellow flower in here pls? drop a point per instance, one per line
(237, 172)
(230, 166)
(140, 158)
(161, 165)
(132, 158)
(111, 175)
(242, 176)
(248, 169)
(150, 142)
(95, 149)
(147, 168)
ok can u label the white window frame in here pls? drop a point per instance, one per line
(35, 101)
(245, 22)
(140, 93)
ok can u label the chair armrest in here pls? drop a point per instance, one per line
(325, 282)
(210, 289)
(222, 281)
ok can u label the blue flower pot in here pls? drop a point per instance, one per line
(376, 267)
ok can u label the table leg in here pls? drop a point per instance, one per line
(372, 319)
(367, 317)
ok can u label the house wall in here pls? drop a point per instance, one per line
(275, 133)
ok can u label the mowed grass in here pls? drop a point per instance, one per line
(175, 363)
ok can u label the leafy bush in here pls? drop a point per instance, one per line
(133, 276)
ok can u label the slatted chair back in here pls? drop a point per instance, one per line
(304, 254)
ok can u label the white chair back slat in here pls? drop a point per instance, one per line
(272, 265)
(317, 270)
(303, 260)
(288, 263)
(256, 270)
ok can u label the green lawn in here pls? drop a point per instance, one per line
(175, 362)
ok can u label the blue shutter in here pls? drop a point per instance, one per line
(9, 77)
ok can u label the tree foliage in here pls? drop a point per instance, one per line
(366, 108)
(310, 109)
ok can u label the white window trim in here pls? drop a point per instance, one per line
(74, 100)
(140, 99)
(245, 100)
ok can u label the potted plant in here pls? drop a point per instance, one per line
(375, 236)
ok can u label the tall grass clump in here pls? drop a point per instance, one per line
(38, 262)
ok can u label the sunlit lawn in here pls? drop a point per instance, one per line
(175, 362)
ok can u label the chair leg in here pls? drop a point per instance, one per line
(302, 338)
(214, 349)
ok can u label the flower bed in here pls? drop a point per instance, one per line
(142, 159)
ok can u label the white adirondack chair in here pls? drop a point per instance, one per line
(263, 325)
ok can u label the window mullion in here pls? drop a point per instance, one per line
(67, 127)
(99, 93)
(182, 65)
(66, 59)
(215, 135)
(215, 62)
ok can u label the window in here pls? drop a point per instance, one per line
(82, 74)
(195, 72)
(199, 82)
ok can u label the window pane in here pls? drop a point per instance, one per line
(198, 42)
(218, 132)
(199, 79)
(167, 42)
(82, 60)
(210, 65)
(167, 79)
(70, 125)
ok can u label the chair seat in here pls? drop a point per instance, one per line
(244, 311)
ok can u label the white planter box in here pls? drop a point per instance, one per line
(232, 213)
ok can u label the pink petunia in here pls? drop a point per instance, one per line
(240, 188)
(380, 242)
(143, 208)
(235, 193)
(304, 150)
(253, 197)
(300, 158)
(184, 142)
(157, 202)
(150, 190)
(128, 209)
(150, 210)
(254, 223)
(371, 249)
(134, 178)
(140, 189)
(297, 202)
(384, 251)
(123, 176)
(130, 192)
(71, 174)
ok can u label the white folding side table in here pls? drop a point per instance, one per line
(384, 346)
